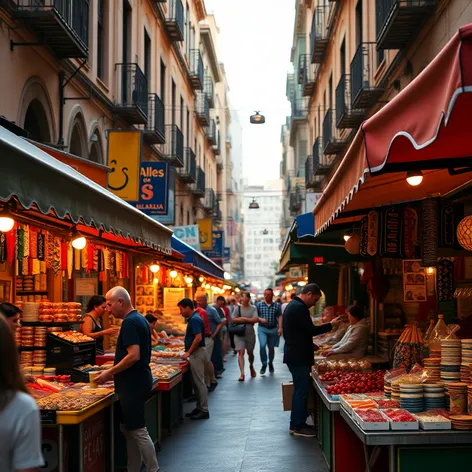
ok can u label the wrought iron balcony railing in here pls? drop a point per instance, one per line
(308, 75)
(346, 115)
(175, 22)
(217, 146)
(196, 69)
(174, 146)
(154, 130)
(60, 24)
(319, 34)
(209, 90)
(198, 188)
(321, 162)
(131, 99)
(211, 132)
(299, 109)
(209, 202)
(188, 173)
(334, 142)
(295, 201)
(203, 109)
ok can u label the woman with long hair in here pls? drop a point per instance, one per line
(20, 424)
(93, 322)
(247, 314)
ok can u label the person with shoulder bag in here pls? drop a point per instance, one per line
(242, 326)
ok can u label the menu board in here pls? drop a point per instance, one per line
(172, 296)
(414, 281)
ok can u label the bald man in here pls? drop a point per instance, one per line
(133, 379)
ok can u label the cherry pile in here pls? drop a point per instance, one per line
(353, 382)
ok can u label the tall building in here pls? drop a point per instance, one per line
(73, 70)
(262, 233)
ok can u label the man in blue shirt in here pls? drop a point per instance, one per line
(270, 328)
(196, 354)
(133, 379)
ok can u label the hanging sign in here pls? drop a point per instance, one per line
(218, 244)
(189, 235)
(410, 231)
(227, 254)
(392, 233)
(153, 188)
(205, 228)
(364, 237)
(373, 232)
(447, 226)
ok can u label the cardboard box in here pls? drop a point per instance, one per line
(287, 392)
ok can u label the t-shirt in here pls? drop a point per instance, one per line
(214, 317)
(194, 326)
(203, 315)
(20, 433)
(134, 330)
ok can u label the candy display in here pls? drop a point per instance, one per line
(72, 400)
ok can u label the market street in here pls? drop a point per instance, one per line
(247, 430)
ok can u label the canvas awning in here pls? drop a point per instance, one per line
(425, 127)
(39, 181)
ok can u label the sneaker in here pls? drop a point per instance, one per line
(212, 387)
(304, 432)
(291, 430)
(192, 413)
(263, 369)
(201, 416)
(271, 368)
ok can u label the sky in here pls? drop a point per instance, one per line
(254, 45)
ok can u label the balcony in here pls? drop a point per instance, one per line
(209, 90)
(397, 21)
(219, 163)
(321, 163)
(319, 34)
(217, 215)
(299, 109)
(309, 174)
(307, 75)
(196, 69)
(364, 92)
(333, 141)
(188, 173)
(174, 146)
(154, 131)
(131, 99)
(295, 201)
(174, 21)
(203, 109)
(217, 146)
(346, 115)
(211, 132)
(60, 24)
(198, 188)
(209, 203)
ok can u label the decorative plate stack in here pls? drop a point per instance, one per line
(462, 422)
(450, 360)
(411, 397)
(457, 398)
(469, 399)
(395, 391)
(388, 389)
(433, 366)
(434, 396)
(466, 353)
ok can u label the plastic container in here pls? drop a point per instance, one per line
(440, 331)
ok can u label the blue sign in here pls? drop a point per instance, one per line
(218, 243)
(227, 254)
(153, 188)
(188, 234)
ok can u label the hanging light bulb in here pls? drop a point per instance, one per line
(6, 222)
(188, 280)
(347, 236)
(173, 274)
(155, 280)
(414, 177)
(78, 241)
(154, 267)
(302, 283)
(201, 278)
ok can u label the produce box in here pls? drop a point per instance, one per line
(287, 392)
(371, 420)
(429, 422)
(401, 420)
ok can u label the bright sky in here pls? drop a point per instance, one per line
(255, 42)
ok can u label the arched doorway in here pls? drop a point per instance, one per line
(36, 122)
(78, 140)
(96, 153)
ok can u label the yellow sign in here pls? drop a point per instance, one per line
(206, 236)
(124, 157)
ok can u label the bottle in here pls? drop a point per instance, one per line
(439, 332)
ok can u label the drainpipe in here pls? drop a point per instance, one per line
(61, 107)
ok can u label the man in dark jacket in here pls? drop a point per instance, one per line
(298, 332)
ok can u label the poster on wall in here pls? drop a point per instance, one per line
(414, 281)
(153, 188)
(146, 299)
(172, 296)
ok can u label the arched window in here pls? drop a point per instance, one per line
(36, 122)
(78, 137)
(96, 154)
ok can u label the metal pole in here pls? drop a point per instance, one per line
(61, 447)
(112, 437)
(61, 107)
(81, 447)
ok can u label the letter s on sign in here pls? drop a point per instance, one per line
(147, 192)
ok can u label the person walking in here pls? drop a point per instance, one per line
(247, 314)
(133, 379)
(20, 423)
(197, 357)
(270, 328)
(298, 330)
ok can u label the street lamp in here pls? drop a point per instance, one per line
(257, 119)
(254, 205)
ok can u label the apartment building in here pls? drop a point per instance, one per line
(74, 69)
(349, 59)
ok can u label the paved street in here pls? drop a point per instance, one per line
(247, 431)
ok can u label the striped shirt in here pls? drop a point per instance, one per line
(270, 313)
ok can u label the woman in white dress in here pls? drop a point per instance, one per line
(247, 314)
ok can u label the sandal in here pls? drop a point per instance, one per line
(241, 379)
(253, 372)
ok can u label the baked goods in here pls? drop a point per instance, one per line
(73, 337)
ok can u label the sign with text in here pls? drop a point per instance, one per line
(153, 188)
(172, 296)
(124, 156)
(205, 228)
(93, 452)
(227, 254)
(218, 243)
(188, 234)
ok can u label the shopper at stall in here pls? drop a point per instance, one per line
(298, 331)
(12, 314)
(196, 354)
(246, 314)
(152, 320)
(270, 328)
(93, 322)
(133, 379)
(20, 424)
(354, 343)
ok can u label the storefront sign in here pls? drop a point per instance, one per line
(86, 287)
(124, 157)
(169, 218)
(153, 188)
(414, 281)
(205, 229)
(93, 452)
(227, 254)
(447, 226)
(188, 234)
(218, 243)
(373, 233)
(364, 238)
(392, 233)
(172, 296)
(410, 231)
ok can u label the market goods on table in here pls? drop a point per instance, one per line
(409, 348)
(73, 337)
(370, 420)
(73, 399)
(370, 416)
(387, 403)
(462, 422)
(341, 382)
(168, 354)
(324, 365)
(401, 419)
(163, 371)
(430, 420)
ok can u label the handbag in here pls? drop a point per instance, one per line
(237, 329)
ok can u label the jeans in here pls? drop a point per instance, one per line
(267, 338)
(217, 355)
(301, 386)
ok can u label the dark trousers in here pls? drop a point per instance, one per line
(217, 355)
(231, 339)
(301, 386)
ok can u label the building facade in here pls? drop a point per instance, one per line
(73, 70)
(349, 59)
(262, 233)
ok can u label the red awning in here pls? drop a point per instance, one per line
(426, 126)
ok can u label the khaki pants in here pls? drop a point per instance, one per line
(209, 378)
(198, 361)
(140, 449)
